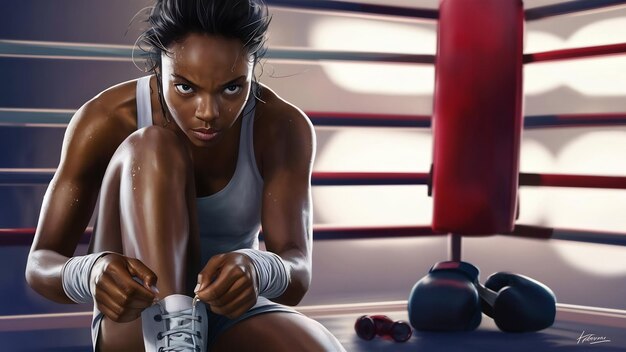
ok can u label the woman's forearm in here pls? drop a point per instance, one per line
(299, 267)
(43, 274)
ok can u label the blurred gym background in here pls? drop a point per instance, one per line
(347, 270)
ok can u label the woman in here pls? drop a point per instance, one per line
(189, 162)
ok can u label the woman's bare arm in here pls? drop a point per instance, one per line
(90, 140)
(287, 162)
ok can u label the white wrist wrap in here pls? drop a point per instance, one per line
(75, 276)
(272, 275)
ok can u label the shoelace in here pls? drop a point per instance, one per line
(179, 337)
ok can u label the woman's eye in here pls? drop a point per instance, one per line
(233, 89)
(183, 88)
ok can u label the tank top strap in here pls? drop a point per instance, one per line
(246, 146)
(144, 106)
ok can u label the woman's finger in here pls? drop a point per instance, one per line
(237, 306)
(235, 291)
(147, 277)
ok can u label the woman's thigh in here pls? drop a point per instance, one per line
(277, 331)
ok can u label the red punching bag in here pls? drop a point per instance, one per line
(477, 118)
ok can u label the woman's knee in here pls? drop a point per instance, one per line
(158, 143)
(154, 149)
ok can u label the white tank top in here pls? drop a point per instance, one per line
(231, 218)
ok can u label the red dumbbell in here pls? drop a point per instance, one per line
(368, 326)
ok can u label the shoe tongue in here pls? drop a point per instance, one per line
(176, 303)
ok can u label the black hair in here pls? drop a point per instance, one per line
(171, 20)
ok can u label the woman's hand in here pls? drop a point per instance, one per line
(228, 284)
(116, 286)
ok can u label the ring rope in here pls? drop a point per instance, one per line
(78, 51)
(576, 53)
(569, 7)
(59, 117)
(15, 176)
(24, 236)
(368, 9)
(83, 51)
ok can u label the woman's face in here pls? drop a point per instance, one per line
(206, 83)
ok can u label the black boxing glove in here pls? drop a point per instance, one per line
(446, 299)
(517, 303)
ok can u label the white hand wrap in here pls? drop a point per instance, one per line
(272, 275)
(75, 276)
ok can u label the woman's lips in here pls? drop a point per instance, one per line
(204, 134)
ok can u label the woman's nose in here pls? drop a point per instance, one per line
(207, 108)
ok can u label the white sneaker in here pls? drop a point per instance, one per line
(176, 323)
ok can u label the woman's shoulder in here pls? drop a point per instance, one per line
(102, 123)
(281, 127)
(277, 114)
(116, 105)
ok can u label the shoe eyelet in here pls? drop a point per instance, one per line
(198, 334)
(159, 336)
(160, 349)
(158, 317)
(200, 319)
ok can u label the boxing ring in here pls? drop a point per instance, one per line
(48, 327)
